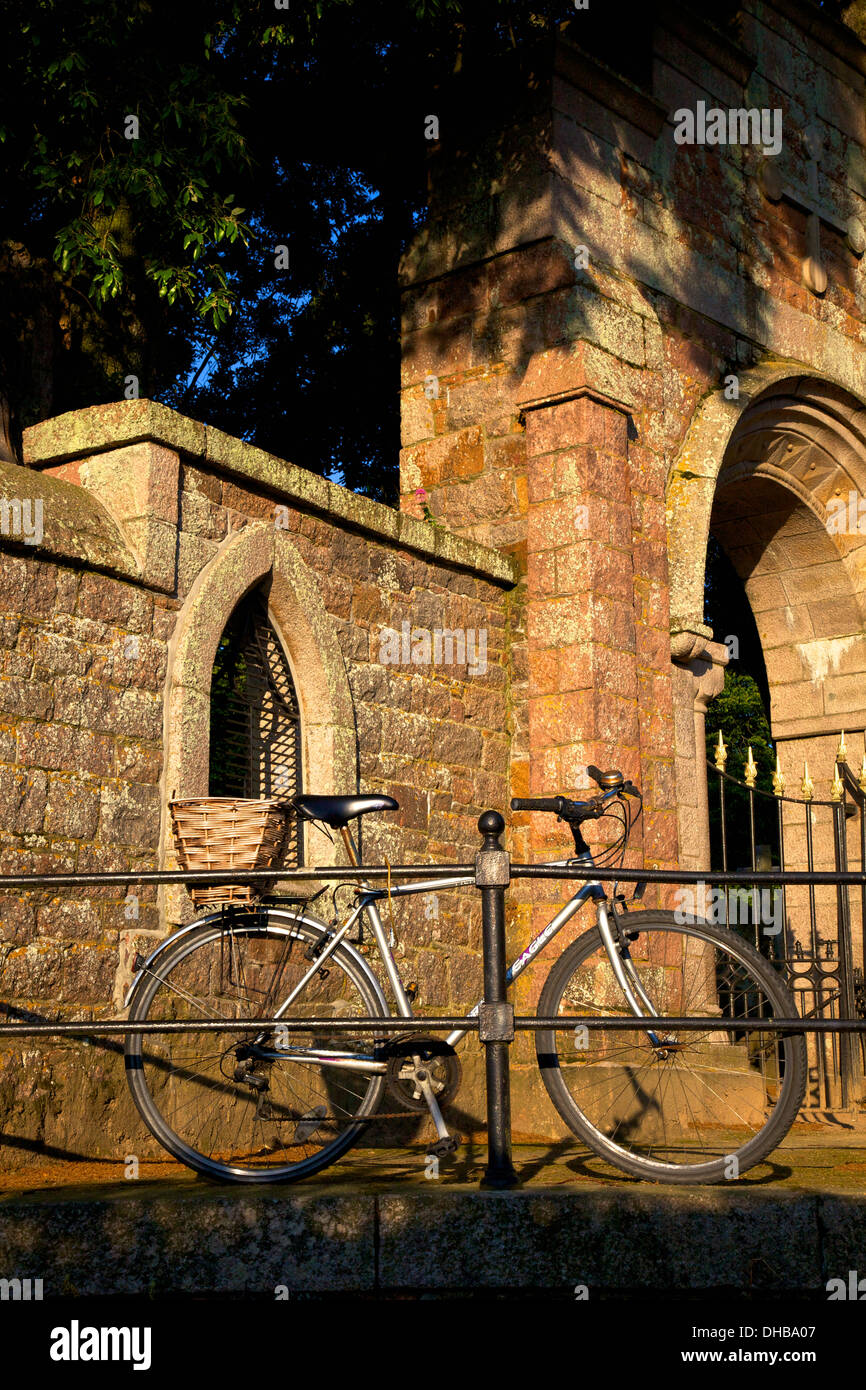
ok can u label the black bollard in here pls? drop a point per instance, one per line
(496, 1016)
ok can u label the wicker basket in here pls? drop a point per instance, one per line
(224, 832)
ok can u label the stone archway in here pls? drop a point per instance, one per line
(807, 433)
(329, 764)
(766, 474)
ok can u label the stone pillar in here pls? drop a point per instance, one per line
(580, 595)
(532, 421)
(580, 613)
(699, 676)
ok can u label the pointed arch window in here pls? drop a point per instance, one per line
(255, 720)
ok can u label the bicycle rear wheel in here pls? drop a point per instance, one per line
(212, 1098)
(708, 1106)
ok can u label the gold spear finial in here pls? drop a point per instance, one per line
(808, 786)
(751, 769)
(778, 779)
(842, 751)
(861, 780)
(837, 786)
(721, 753)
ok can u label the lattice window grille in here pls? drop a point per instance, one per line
(255, 718)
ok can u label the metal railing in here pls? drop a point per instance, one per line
(815, 951)
(496, 1022)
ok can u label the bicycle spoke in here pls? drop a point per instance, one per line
(688, 1107)
(234, 1106)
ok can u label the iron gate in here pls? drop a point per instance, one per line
(807, 932)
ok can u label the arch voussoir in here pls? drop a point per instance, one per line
(256, 555)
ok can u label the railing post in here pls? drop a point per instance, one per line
(496, 1016)
(847, 1003)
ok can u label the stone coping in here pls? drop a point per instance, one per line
(120, 423)
(832, 33)
(373, 1224)
(75, 524)
(313, 1241)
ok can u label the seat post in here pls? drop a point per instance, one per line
(351, 848)
(404, 1008)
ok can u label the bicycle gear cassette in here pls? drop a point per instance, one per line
(437, 1060)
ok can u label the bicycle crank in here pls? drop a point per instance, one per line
(438, 1065)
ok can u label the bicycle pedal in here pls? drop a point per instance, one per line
(443, 1147)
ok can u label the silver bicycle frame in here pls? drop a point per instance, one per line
(367, 899)
(624, 971)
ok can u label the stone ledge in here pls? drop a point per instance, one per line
(708, 41)
(832, 34)
(80, 433)
(183, 1240)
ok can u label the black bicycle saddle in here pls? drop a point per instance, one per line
(337, 811)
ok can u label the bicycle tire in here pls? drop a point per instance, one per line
(258, 924)
(552, 1048)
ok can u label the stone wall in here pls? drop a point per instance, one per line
(101, 720)
(573, 246)
(613, 340)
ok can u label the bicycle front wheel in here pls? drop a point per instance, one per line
(243, 1106)
(690, 1108)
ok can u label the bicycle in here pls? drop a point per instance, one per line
(265, 1108)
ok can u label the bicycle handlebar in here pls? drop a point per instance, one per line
(573, 810)
(559, 806)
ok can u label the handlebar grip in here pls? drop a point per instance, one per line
(537, 803)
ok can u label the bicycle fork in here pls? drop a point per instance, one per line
(626, 976)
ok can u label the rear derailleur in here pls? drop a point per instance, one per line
(246, 1074)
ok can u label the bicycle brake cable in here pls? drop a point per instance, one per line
(628, 823)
